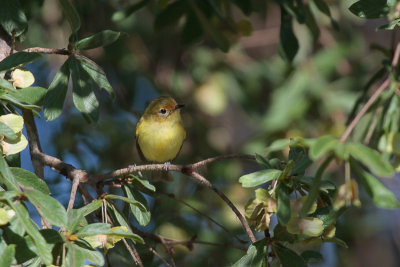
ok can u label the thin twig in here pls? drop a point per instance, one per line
(134, 254)
(74, 188)
(203, 214)
(204, 181)
(169, 249)
(372, 99)
(158, 255)
(364, 109)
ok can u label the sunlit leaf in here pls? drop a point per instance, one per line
(260, 177)
(371, 158)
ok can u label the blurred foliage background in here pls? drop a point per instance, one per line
(236, 102)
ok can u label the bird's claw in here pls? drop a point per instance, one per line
(166, 165)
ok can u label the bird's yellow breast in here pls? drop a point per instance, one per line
(160, 140)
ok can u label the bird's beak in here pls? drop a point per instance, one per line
(179, 106)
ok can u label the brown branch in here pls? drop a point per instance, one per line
(80, 175)
(153, 167)
(364, 109)
(372, 99)
(74, 188)
(34, 143)
(56, 51)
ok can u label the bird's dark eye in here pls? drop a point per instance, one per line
(163, 111)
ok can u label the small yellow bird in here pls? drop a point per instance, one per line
(160, 133)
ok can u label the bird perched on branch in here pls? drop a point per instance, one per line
(160, 134)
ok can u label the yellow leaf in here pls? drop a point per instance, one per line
(22, 78)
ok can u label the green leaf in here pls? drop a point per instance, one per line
(141, 183)
(283, 196)
(143, 217)
(120, 219)
(277, 145)
(301, 160)
(13, 100)
(127, 200)
(7, 132)
(287, 257)
(102, 38)
(14, 121)
(255, 256)
(89, 208)
(97, 75)
(370, 9)
(74, 255)
(83, 96)
(328, 215)
(288, 44)
(216, 35)
(18, 59)
(6, 176)
(263, 161)
(37, 238)
(93, 229)
(260, 177)
(322, 146)
(13, 18)
(371, 158)
(30, 95)
(6, 86)
(48, 207)
(29, 179)
(7, 255)
(93, 256)
(76, 216)
(71, 14)
(55, 97)
(380, 195)
(314, 191)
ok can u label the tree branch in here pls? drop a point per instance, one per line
(34, 143)
(372, 99)
(57, 51)
(364, 109)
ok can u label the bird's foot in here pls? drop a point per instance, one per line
(166, 165)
